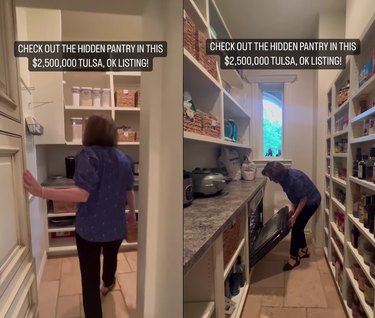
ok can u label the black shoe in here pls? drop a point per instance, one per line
(106, 289)
(288, 266)
(305, 253)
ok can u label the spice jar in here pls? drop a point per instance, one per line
(96, 97)
(355, 269)
(86, 96)
(361, 280)
(76, 90)
(106, 97)
(369, 293)
(367, 254)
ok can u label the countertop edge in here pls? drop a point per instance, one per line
(194, 259)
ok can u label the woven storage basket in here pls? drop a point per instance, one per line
(210, 126)
(64, 207)
(231, 239)
(192, 121)
(208, 61)
(124, 134)
(126, 98)
(190, 35)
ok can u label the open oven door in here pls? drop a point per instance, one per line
(269, 235)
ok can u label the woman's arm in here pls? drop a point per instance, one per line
(300, 206)
(70, 194)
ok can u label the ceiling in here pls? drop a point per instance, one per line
(275, 18)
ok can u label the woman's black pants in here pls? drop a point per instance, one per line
(89, 262)
(298, 235)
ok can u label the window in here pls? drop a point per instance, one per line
(272, 101)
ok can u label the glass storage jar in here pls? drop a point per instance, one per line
(76, 90)
(76, 129)
(86, 96)
(106, 97)
(96, 96)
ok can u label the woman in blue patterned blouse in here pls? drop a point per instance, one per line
(305, 199)
(104, 185)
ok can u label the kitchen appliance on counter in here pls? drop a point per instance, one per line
(70, 165)
(206, 182)
(188, 189)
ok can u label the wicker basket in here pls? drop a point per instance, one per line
(192, 121)
(125, 134)
(231, 239)
(64, 207)
(208, 61)
(126, 98)
(210, 125)
(190, 35)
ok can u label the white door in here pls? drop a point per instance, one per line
(18, 292)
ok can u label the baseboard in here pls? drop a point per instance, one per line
(41, 268)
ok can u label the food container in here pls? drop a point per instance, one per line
(355, 269)
(369, 293)
(367, 254)
(76, 90)
(106, 97)
(96, 97)
(86, 96)
(76, 129)
(361, 280)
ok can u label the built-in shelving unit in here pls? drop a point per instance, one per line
(345, 193)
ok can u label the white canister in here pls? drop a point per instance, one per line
(76, 129)
(96, 96)
(76, 90)
(86, 96)
(106, 97)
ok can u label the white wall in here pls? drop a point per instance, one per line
(330, 26)
(358, 15)
(298, 129)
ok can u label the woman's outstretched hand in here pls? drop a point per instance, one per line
(31, 184)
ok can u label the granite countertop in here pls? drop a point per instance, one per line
(207, 218)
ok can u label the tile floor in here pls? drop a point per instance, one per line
(308, 291)
(60, 293)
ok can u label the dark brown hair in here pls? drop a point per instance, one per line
(275, 170)
(100, 131)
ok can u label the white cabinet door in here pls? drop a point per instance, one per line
(18, 294)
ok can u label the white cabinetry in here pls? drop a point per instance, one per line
(346, 191)
(221, 96)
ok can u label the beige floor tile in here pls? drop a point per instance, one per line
(303, 287)
(278, 312)
(252, 306)
(123, 265)
(48, 293)
(70, 285)
(333, 300)
(322, 265)
(70, 266)
(113, 305)
(324, 312)
(52, 269)
(68, 307)
(131, 257)
(273, 297)
(128, 283)
(268, 274)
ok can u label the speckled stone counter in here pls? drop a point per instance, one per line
(207, 218)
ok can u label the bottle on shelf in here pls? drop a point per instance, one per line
(354, 237)
(357, 160)
(371, 214)
(240, 272)
(362, 205)
(370, 165)
(362, 167)
(366, 210)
